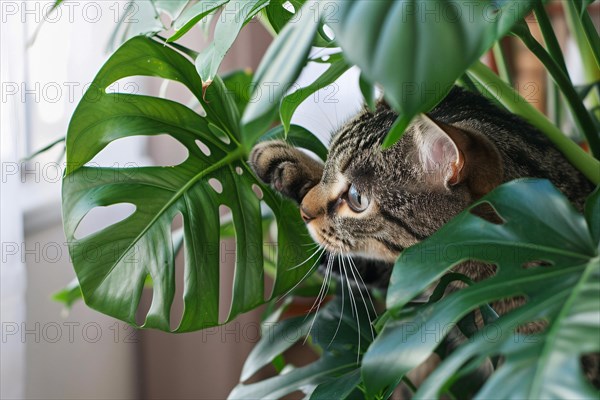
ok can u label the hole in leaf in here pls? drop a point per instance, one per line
(203, 148)
(151, 86)
(325, 57)
(289, 7)
(101, 217)
(590, 364)
(179, 263)
(227, 258)
(536, 263)
(328, 32)
(219, 133)
(486, 211)
(257, 191)
(239, 170)
(166, 151)
(532, 328)
(145, 301)
(131, 151)
(216, 185)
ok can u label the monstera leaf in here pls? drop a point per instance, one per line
(544, 251)
(340, 332)
(113, 263)
(417, 49)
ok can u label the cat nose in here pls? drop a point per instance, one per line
(306, 216)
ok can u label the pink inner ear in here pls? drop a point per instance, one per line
(437, 152)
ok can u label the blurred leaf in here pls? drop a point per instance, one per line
(234, 16)
(172, 8)
(68, 295)
(290, 102)
(238, 84)
(113, 263)
(582, 5)
(417, 49)
(592, 215)
(541, 225)
(279, 16)
(193, 15)
(368, 91)
(279, 67)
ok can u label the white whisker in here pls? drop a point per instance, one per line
(305, 275)
(364, 284)
(352, 268)
(305, 261)
(342, 309)
(320, 296)
(355, 309)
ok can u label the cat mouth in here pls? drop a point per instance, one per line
(329, 244)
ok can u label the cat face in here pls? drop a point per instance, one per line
(374, 203)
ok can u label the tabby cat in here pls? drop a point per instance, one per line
(374, 203)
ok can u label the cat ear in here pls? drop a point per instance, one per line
(438, 153)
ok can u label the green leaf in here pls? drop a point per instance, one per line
(338, 388)
(234, 16)
(172, 8)
(113, 263)
(417, 49)
(68, 295)
(279, 16)
(274, 343)
(368, 92)
(193, 15)
(298, 136)
(592, 214)
(582, 5)
(279, 68)
(544, 365)
(336, 332)
(539, 224)
(290, 102)
(238, 84)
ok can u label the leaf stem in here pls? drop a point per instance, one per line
(582, 118)
(506, 95)
(501, 63)
(549, 36)
(43, 149)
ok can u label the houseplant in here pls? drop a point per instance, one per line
(394, 44)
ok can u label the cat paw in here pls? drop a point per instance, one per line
(288, 170)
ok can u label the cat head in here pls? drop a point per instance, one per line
(372, 202)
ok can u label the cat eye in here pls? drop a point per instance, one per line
(356, 201)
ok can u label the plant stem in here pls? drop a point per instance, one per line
(592, 36)
(501, 63)
(43, 149)
(549, 36)
(582, 118)
(506, 95)
(584, 33)
(409, 383)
